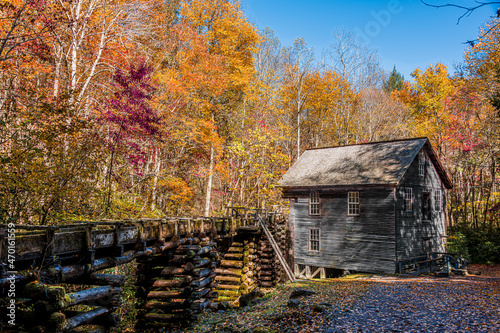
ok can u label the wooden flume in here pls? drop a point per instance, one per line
(182, 269)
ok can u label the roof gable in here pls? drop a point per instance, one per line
(379, 163)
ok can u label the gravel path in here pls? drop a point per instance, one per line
(428, 304)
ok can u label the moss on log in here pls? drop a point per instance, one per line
(231, 263)
(37, 290)
(228, 278)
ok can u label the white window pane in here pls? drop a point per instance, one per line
(314, 239)
(437, 200)
(421, 163)
(408, 199)
(314, 203)
(353, 203)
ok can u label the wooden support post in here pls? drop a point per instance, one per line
(49, 245)
(161, 237)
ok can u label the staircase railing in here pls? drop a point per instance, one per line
(433, 262)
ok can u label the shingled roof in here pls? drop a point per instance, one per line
(378, 163)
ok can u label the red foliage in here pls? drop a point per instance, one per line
(128, 113)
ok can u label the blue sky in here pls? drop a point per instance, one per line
(406, 34)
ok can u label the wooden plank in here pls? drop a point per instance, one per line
(172, 305)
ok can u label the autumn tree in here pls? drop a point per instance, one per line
(426, 101)
(129, 120)
(24, 24)
(329, 117)
(299, 62)
(256, 156)
(380, 117)
(482, 63)
(48, 160)
(231, 36)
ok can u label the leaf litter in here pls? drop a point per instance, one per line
(364, 303)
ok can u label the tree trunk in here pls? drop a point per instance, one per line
(209, 183)
(157, 166)
(109, 183)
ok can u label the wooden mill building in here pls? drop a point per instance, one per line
(364, 207)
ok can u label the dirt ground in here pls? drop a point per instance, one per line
(371, 303)
(425, 304)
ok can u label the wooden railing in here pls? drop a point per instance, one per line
(433, 262)
(85, 242)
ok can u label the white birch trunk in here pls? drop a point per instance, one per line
(209, 183)
(157, 165)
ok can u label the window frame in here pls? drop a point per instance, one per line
(421, 164)
(438, 200)
(314, 204)
(353, 208)
(408, 200)
(313, 243)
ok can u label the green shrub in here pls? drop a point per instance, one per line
(457, 243)
(477, 246)
(488, 253)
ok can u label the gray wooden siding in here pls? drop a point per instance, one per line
(415, 235)
(362, 243)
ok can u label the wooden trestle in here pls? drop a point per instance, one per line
(184, 265)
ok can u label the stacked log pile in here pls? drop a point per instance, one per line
(177, 274)
(177, 283)
(267, 266)
(279, 234)
(238, 270)
(270, 271)
(50, 308)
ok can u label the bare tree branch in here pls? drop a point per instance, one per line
(22, 30)
(468, 10)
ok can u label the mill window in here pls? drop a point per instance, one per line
(421, 164)
(408, 199)
(314, 203)
(314, 239)
(437, 201)
(353, 203)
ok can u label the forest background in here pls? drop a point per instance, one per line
(119, 109)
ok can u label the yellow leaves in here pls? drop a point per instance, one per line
(228, 34)
(431, 87)
(330, 107)
(483, 60)
(191, 73)
(426, 98)
(177, 191)
(195, 135)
